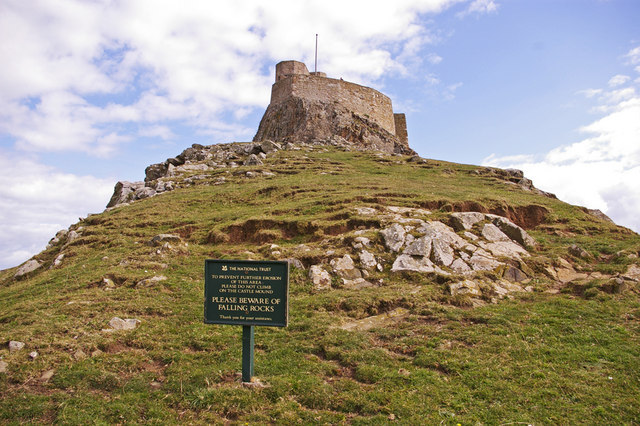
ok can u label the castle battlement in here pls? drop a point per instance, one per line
(294, 83)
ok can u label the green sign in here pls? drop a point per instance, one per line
(246, 292)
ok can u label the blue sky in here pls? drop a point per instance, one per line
(91, 92)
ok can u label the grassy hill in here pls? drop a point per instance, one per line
(404, 350)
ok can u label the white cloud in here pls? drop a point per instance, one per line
(480, 7)
(600, 171)
(38, 201)
(618, 80)
(152, 61)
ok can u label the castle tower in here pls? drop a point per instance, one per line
(309, 107)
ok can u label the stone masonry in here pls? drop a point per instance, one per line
(309, 107)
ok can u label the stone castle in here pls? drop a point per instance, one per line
(309, 107)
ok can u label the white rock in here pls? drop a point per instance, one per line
(345, 268)
(460, 266)
(404, 262)
(493, 233)
(442, 253)
(481, 262)
(465, 220)
(465, 287)
(394, 237)
(366, 211)
(419, 247)
(319, 277)
(27, 267)
(33, 355)
(368, 260)
(3, 367)
(126, 324)
(14, 346)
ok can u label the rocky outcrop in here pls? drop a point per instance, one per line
(302, 120)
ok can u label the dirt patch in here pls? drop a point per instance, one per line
(526, 217)
(255, 230)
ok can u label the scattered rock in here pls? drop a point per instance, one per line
(514, 274)
(465, 220)
(394, 237)
(295, 263)
(419, 247)
(33, 355)
(3, 367)
(513, 231)
(79, 355)
(365, 324)
(15, 346)
(161, 239)
(253, 160)
(366, 211)
(268, 146)
(120, 324)
(150, 282)
(632, 273)
(28, 267)
(57, 261)
(44, 377)
(465, 287)
(95, 353)
(579, 252)
(368, 260)
(493, 233)
(124, 192)
(319, 277)
(345, 268)
(405, 262)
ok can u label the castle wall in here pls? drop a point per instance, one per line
(364, 101)
(401, 128)
(286, 69)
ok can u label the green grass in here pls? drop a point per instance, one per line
(539, 359)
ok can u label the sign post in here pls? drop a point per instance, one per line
(246, 293)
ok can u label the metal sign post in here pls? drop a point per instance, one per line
(246, 293)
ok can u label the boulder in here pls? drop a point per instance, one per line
(394, 237)
(465, 287)
(368, 260)
(15, 346)
(632, 273)
(161, 239)
(345, 268)
(513, 231)
(511, 273)
(124, 192)
(493, 233)
(155, 171)
(269, 146)
(149, 282)
(482, 261)
(253, 160)
(319, 277)
(405, 262)
(441, 252)
(144, 192)
(465, 220)
(579, 252)
(27, 267)
(460, 266)
(123, 324)
(419, 247)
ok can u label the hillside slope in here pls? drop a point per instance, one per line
(421, 292)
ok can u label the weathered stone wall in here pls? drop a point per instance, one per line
(401, 128)
(364, 101)
(285, 69)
